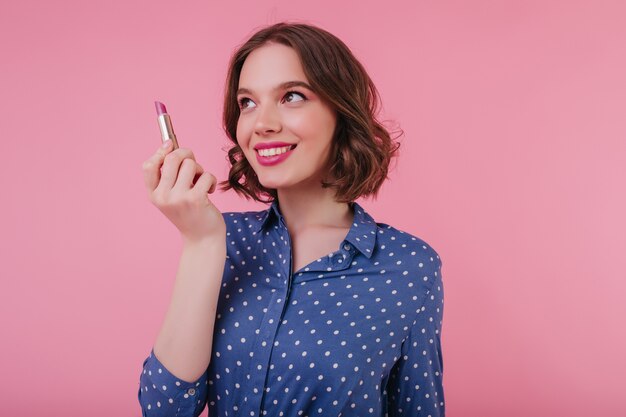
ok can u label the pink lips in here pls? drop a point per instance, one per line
(266, 145)
(273, 160)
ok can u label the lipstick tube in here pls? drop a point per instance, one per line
(165, 124)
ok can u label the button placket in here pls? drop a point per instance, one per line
(268, 331)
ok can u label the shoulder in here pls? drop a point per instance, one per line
(244, 220)
(389, 238)
(413, 268)
(242, 231)
(245, 215)
(412, 260)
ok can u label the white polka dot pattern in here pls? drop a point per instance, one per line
(355, 333)
(162, 394)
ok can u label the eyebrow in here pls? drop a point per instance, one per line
(282, 86)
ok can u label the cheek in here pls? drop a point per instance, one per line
(308, 124)
(243, 134)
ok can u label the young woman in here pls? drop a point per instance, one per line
(308, 308)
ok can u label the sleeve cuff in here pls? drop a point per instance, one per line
(157, 382)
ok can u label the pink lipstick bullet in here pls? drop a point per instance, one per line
(165, 124)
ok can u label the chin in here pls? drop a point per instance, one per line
(274, 185)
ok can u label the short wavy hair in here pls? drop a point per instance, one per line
(362, 147)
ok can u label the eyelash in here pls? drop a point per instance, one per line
(241, 101)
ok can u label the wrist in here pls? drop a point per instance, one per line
(214, 242)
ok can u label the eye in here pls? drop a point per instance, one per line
(242, 102)
(292, 93)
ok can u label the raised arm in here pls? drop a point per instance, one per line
(173, 381)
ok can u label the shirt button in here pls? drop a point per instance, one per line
(191, 391)
(347, 247)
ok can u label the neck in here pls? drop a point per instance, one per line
(303, 209)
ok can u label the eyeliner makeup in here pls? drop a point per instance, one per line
(165, 124)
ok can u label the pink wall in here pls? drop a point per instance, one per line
(513, 168)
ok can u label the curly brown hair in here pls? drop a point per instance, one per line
(361, 145)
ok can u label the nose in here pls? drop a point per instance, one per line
(268, 120)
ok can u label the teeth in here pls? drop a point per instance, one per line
(273, 151)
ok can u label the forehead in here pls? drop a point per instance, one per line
(270, 65)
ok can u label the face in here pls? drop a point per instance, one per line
(274, 111)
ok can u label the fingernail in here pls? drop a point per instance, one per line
(166, 144)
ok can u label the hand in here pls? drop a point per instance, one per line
(179, 191)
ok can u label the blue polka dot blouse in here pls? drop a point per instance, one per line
(355, 333)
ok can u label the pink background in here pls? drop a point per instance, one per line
(513, 168)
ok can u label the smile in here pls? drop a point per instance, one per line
(273, 156)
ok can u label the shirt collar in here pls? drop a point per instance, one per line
(362, 234)
(268, 216)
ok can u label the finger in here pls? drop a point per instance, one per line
(188, 173)
(152, 167)
(206, 183)
(171, 167)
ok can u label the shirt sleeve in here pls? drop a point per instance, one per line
(161, 394)
(415, 386)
